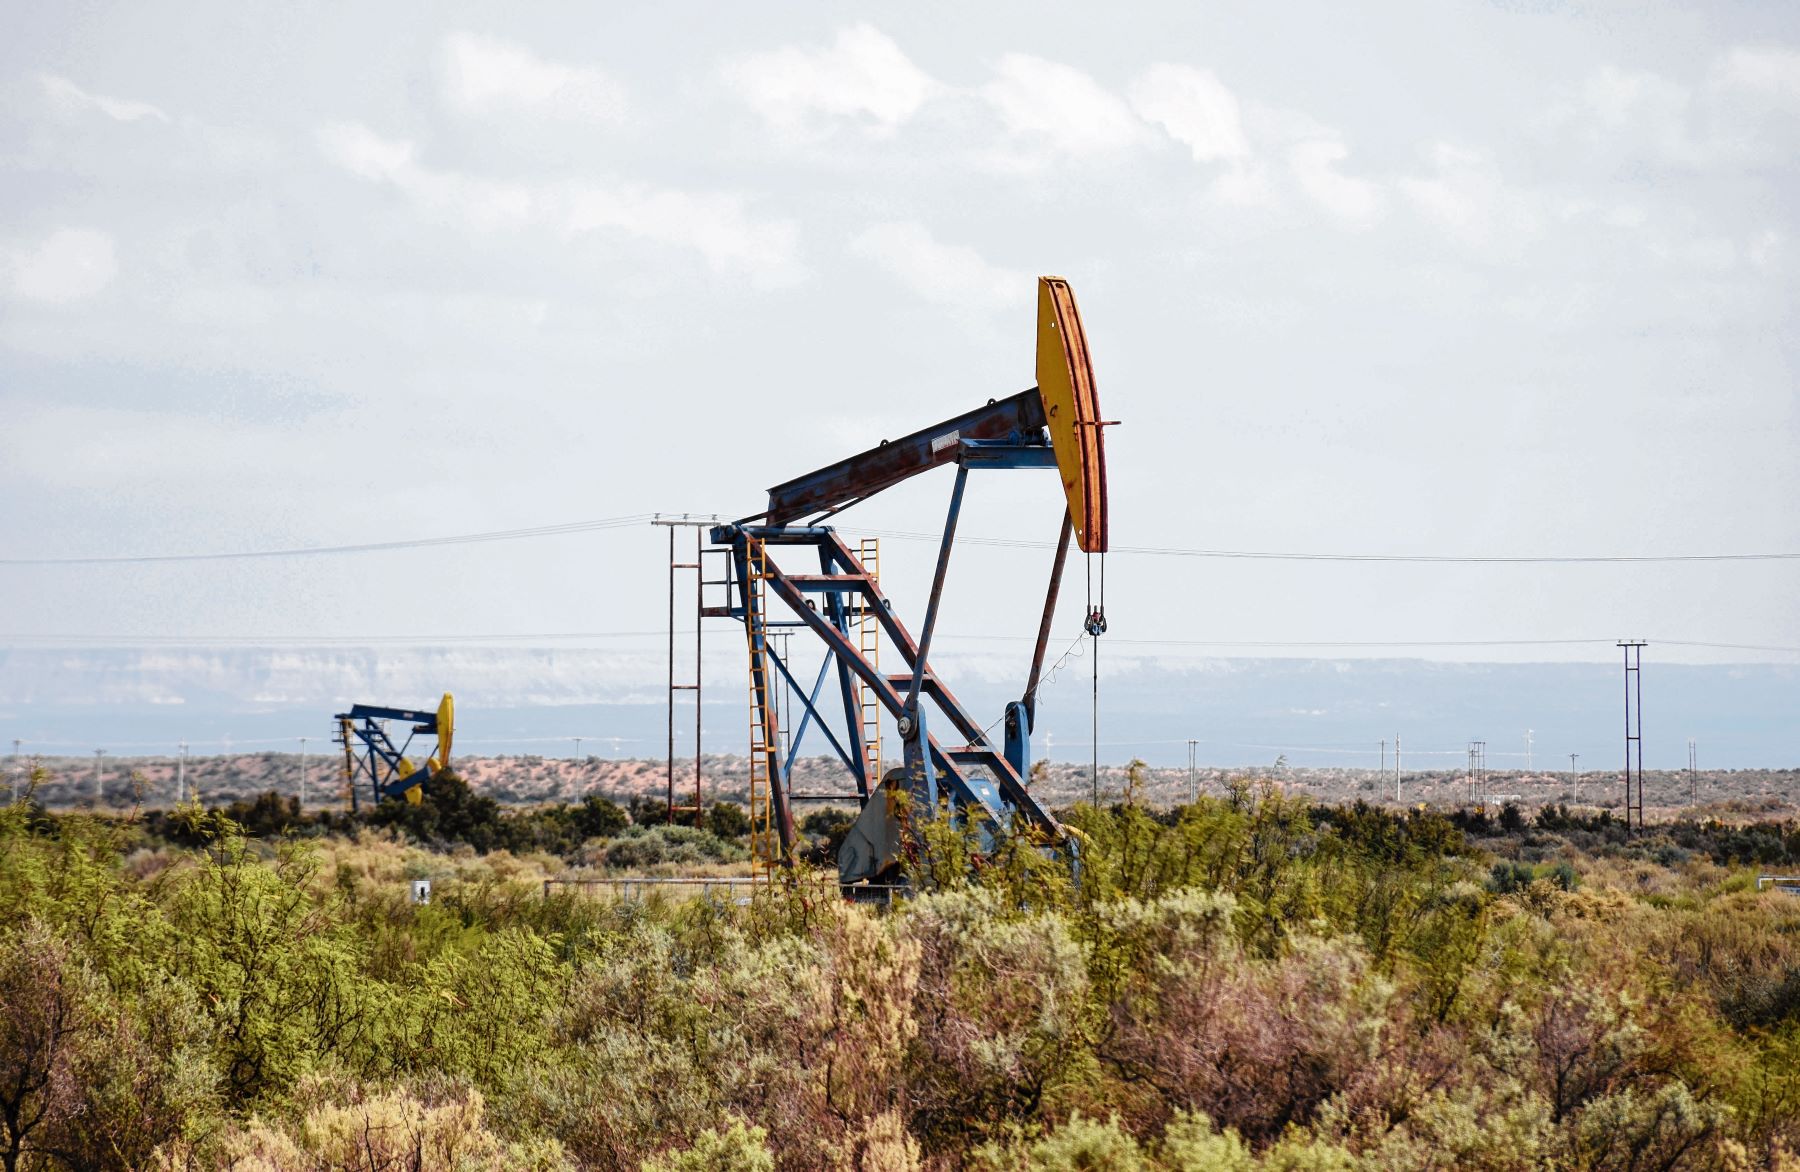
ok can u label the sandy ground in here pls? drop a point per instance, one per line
(125, 781)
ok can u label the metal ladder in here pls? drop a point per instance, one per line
(764, 852)
(868, 641)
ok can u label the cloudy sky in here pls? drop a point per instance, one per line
(1428, 278)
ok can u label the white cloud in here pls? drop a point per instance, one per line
(99, 450)
(1616, 97)
(67, 266)
(1196, 110)
(483, 74)
(862, 75)
(1467, 198)
(949, 274)
(1355, 202)
(446, 196)
(1061, 109)
(362, 152)
(1647, 114)
(1765, 251)
(71, 96)
(718, 226)
(1770, 70)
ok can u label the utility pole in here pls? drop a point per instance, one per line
(98, 753)
(1193, 780)
(1634, 731)
(1396, 767)
(181, 775)
(1693, 774)
(1528, 750)
(677, 566)
(1573, 757)
(1384, 758)
(302, 774)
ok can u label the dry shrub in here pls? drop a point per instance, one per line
(883, 1145)
(1256, 1045)
(1191, 1144)
(739, 1148)
(1744, 949)
(1082, 1144)
(1661, 1129)
(1501, 1128)
(1001, 1007)
(379, 1133)
(86, 1083)
(804, 1035)
(635, 1052)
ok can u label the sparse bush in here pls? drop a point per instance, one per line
(1509, 877)
(655, 846)
(727, 820)
(1246, 982)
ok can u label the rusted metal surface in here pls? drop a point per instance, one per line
(1072, 410)
(1043, 635)
(891, 462)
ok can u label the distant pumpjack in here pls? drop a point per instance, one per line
(371, 757)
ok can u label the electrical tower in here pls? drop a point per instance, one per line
(678, 566)
(1478, 773)
(1193, 777)
(1634, 732)
(1693, 773)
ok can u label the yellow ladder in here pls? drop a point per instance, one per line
(764, 850)
(868, 641)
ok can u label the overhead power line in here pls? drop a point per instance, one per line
(366, 547)
(428, 640)
(278, 641)
(1402, 558)
(623, 522)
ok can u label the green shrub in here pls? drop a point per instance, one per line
(654, 846)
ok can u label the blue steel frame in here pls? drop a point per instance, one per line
(829, 602)
(379, 762)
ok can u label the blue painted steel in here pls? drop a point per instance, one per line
(840, 615)
(809, 709)
(937, 584)
(379, 763)
(1006, 454)
(1002, 796)
(976, 775)
(1018, 737)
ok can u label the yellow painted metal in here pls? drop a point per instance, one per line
(868, 635)
(446, 731)
(764, 851)
(405, 769)
(1065, 378)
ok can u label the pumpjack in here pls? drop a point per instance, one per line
(950, 762)
(371, 756)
